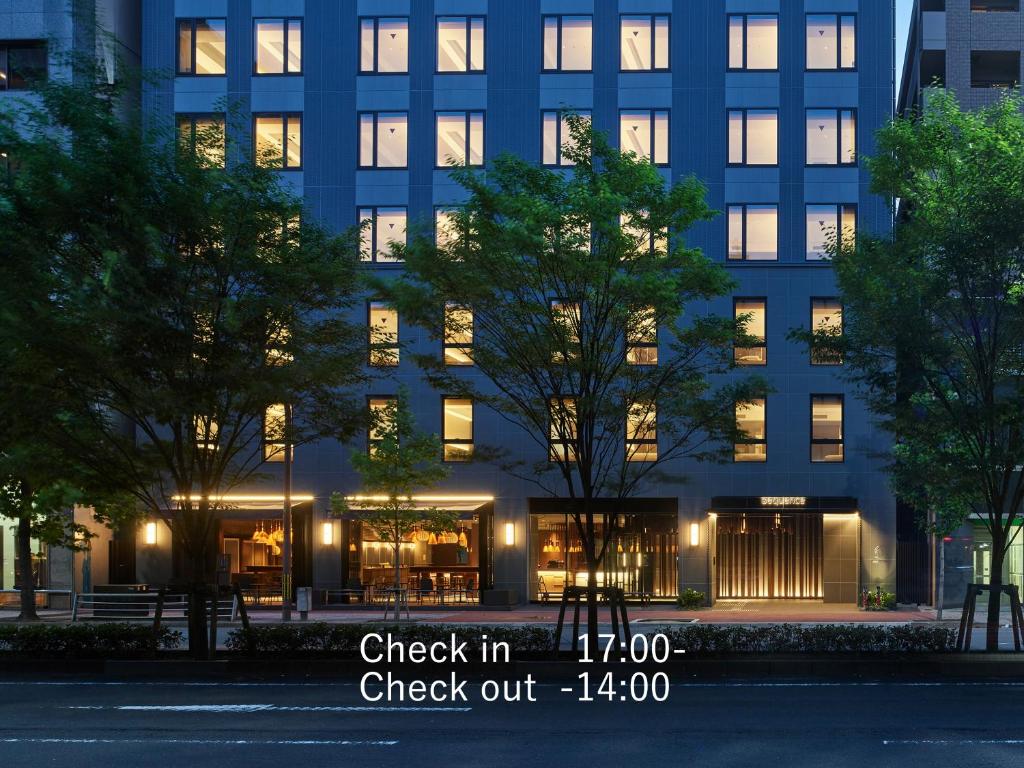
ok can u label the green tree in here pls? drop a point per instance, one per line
(575, 289)
(401, 462)
(199, 297)
(933, 317)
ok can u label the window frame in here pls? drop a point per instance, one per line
(468, 18)
(286, 20)
(635, 345)
(178, 71)
(5, 58)
(632, 445)
(466, 349)
(841, 209)
(558, 42)
(652, 113)
(651, 17)
(841, 442)
(743, 137)
(467, 124)
(568, 446)
(743, 207)
(376, 46)
(745, 15)
(755, 441)
(764, 342)
(374, 209)
(839, 137)
(446, 441)
(559, 115)
(370, 442)
(286, 117)
(820, 360)
(273, 452)
(192, 117)
(839, 41)
(396, 348)
(376, 144)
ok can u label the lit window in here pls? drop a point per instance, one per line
(381, 416)
(642, 432)
(23, 64)
(645, 133)
(562, 429)
(383, 139)
(279, 141)
(458, 335)
(273, 433)
(203, 134)
(639, 238)
(445, 228)
(565, 324)
(380, 228)
(202, 46)
(460, 44)
(207, 431)
(556, 137)
(754, 314)
(750, 419)
(643, 43)
(753, 136)
(826, 428)
(383, 334)
(460, 138)
(567, 43)
(754, 42)
(831, 137)
(457, 435)
(277, 346)
(826, 318)
(278, 46)
(830, 228)
(831, 41)
(754, 232)
(642, 338)
(384, 45)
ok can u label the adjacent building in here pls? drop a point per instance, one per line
(772, 103)
(973, 48)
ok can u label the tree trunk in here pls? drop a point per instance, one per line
(28, 585)
(198, 635)
(994, 596)
(398, 563)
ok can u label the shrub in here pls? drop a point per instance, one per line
(690, 600)
(342, 640)
(712, 639)
(85, 641)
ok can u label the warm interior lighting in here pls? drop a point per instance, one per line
(229, 498)
(510, 534)
(151, 533)
(451, 498)
(327, 534)
(694, 534)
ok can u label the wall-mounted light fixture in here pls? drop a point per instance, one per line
(694, 534)
(510, 534)
(327, 534)
(150, 533)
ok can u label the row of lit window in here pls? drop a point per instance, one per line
(826, 316)
(752, 231)
(640, 434)
(753, 44)
(753, 137)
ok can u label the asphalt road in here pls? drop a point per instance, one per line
(303, 725)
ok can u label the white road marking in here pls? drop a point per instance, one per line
(260, 708)
(950, 742)
(213, 742)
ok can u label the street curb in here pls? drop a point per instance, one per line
(1004, 666)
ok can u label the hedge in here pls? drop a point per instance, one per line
(86, 640)
(342, 640)
(715, 639)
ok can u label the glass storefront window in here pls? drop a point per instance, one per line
(641, 557)
(10, 572)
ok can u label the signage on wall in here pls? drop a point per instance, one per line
(783, 501)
